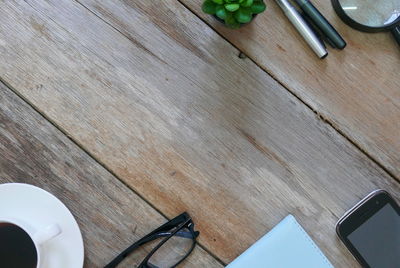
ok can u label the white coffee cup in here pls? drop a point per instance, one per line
(39, 237)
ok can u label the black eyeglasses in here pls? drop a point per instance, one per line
(177, 239)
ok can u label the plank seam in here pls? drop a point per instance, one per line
(317, 113)
(98, 161)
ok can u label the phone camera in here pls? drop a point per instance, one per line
(377, 202)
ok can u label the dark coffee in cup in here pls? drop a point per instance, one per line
(16, 247)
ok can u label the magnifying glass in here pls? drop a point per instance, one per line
(370, 15)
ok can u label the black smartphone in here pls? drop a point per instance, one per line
(371, 231)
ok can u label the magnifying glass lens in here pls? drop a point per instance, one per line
(372, 13)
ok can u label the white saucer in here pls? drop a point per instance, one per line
(40, 209)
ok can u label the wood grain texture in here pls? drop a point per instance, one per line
(173, 111)
(357, 89)
(109, 214)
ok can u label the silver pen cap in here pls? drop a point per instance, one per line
(302, 27)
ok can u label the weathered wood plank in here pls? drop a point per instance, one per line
(357, 90)
(179, 117)
(109, 214)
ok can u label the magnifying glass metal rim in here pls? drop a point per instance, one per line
(358, 26)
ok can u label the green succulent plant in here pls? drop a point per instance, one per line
(234, 12)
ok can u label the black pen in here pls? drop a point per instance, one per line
(317, 31)
(320, 21)
(314, 28)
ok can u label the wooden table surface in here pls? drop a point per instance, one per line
(132, 112)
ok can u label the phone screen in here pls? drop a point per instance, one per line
(378, 239)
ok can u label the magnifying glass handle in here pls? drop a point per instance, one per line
(396, 33)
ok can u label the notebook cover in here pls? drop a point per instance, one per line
(287, 245)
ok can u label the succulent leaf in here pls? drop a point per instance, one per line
(258, 7)
(247, 3)
(221, 12)
(243, 15)
(209, 7)
(232, 7)
(229, 19)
